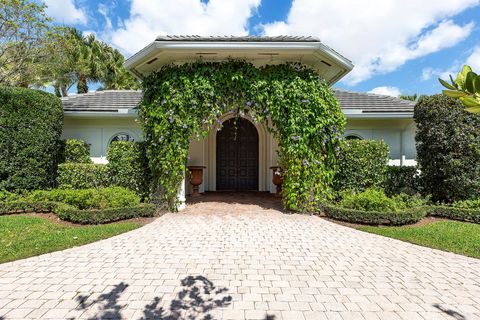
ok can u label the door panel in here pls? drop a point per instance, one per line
(237, 156)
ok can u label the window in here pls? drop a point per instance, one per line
(353, 137)
(122, 137)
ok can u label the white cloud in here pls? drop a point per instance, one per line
(474, 59)
(149, 19)
(65, 11)
(379, 36)
(387, 91)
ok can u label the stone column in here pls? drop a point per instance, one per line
(181, 195)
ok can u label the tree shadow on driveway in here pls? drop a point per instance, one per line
(198, 298)
(452, 313)
(196, 301)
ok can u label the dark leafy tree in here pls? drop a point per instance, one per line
(448, 149)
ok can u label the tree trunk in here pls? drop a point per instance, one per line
(82, 86)
(64, 90)
(56, 88)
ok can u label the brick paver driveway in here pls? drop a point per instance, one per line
(242, 261)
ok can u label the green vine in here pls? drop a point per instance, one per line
(184, 102)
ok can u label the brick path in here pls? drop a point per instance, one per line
(242, 261)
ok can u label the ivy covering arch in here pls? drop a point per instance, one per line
(183, 102)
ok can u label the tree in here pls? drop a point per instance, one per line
(465, 87)
(84, 59)
(414, 97)
(23, 27)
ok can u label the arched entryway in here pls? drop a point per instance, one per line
(237, 156)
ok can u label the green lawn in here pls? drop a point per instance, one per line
(26, 236)
(454, 236)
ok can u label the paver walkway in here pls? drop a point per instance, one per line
(242, 261)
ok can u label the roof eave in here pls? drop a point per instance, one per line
(141, 56)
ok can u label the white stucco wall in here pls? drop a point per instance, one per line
(98, 132)
(399, 134)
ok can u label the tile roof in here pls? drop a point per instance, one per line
(112, 100)
(372, 103)
(238, 38)
(102, 101)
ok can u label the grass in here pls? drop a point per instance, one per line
(453, 236)
(26, 236)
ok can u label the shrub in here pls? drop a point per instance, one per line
(22, 206)
(72, 214)
(376, 200)
(6, 196)
(128, 166)
(368, 200)
(77, 151)
(402, 179)
(82, 175)
(113, 197)
(376, 217)
(456, 213)
(362, 164)
(448, 149)
(372, 206)
(30, 127)
(467, 204)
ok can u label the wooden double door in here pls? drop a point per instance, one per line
(237, 156)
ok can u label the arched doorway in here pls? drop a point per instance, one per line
(237, 156)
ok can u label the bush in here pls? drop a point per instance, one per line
(113, 197)
(362, 164)
(77, 151)
(27, 206)
(128, 166)
(448, 149)
(31, 123)
(467, 204)
(376, 200)
(402, 179)
(376, 217)
(456, 213)
(6, 196)
(368, 200)
(82, 175)
(72, 214)
(372, 206)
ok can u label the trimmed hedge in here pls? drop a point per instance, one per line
(448, 149)
(462, 214)
(402, 179)
(361, 164)
(31, 123)
(75, 215)
(27, 207)
(70, 213)
(77, 151)
(82, 176)
(406, 216)
(112, 197)
(128, 166)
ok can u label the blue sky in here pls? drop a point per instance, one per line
(397, 46)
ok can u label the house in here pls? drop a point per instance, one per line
(243, 163)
